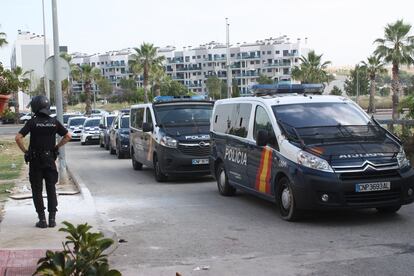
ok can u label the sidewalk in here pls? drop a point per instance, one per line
(22, 244)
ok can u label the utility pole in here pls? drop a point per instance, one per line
(46, 81)
(58, 89)
(357, 88)
(229, 76)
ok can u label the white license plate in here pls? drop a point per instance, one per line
(95, 137)
(372, 187)
(199, 161)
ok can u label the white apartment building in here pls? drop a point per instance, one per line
(28, 53)
(273, 57)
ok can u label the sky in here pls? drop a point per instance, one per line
(342, 30)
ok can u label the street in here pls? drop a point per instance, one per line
(186, 226)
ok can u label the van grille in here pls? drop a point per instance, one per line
(194, 150)
(367, 175)
(354, 198)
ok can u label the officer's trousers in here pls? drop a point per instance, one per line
(36, 175)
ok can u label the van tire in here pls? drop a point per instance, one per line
(111, 150)
(159, 176)
(118, 153)
(389, 209)
(135, 164)
(223, 185)
(106, 145)
(286, 200)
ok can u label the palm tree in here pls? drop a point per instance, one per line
(373, 67)
(88, 75)
(67, 83)
(311, 69)
(157, 77)
(19, 81)
(142, 61)
(397, 48)
(3, 40)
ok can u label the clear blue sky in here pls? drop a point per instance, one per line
(343, 30)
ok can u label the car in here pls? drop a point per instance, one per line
(97, 112)
(119, 136)
(24, 117)
(75, 126)
(306, 151)
(171, 135)
(90, 131)
(66, 117)
(105, 124)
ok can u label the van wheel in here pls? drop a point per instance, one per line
(83, 143)
(389, 209)
(119, 155)
(286, 201)
(159, 176)
(223, 185)
(101, 143)
(135, 164)
(106, 145)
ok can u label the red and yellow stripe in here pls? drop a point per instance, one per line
(264, 172)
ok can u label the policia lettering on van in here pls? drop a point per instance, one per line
(307, 152)
(171, 135)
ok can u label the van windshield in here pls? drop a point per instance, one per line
(326, 122)
(197, 114)
(92, 123)
(109, 120)
(76, 122)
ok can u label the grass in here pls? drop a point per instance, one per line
(4, 188)
(11, 160)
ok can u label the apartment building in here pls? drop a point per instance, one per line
(273, 57)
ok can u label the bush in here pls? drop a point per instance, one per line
(82, 254)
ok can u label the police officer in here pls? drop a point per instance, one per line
(41, 155)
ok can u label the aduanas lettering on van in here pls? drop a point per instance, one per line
(236, 155)
(361, 155)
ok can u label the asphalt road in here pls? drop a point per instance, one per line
(186, 226)
(9, 129)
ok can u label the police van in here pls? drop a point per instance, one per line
(171, 135)
(307, 151)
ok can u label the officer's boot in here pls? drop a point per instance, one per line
(52, 221)
(42, 221)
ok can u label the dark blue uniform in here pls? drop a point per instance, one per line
(42, 155)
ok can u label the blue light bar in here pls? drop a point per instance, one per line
(178, 98)
(287, 88)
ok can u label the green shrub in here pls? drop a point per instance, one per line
(83, 254)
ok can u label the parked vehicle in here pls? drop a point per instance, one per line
(307, 152)
(105, 124)
(66, 117)
(90, 131)
(171, 135)
(119, 136)
(75, 126)
(24, 117)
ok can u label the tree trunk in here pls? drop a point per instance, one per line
(88, 108)
(157, 89)
(145, 83)
(16, 107)
(395, 87)
(371, 107)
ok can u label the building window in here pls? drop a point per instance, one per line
(198, 57)
(277, 52)
(269, 52)
(193, 57)
(257, 61)
(269, 70)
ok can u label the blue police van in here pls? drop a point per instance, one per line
(304, 151)
(171, 135)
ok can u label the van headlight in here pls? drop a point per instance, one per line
(311, 161)
(402, 159)
(169, 142)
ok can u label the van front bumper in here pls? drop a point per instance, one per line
(173, 161)
(310, 186)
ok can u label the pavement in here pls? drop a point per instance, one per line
(22, 244)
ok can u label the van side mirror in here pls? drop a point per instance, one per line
(101, 126)
(262, 138)
(147, 127)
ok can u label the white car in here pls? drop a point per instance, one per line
(75, 126)
(90, 131)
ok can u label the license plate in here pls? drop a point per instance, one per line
(200, 161)
(95, 137)
(372, 187)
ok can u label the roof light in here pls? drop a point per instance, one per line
(178, 98)
(287, 88)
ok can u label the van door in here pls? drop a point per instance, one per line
(136, 120)
(260, 158)
(236, 152)
(147, 138)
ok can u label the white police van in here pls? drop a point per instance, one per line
(171, 135)
(307, 151)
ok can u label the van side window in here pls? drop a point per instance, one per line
(137, 118)
(240, 119)
(262, 122)
(222, 118)
(148, 116)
